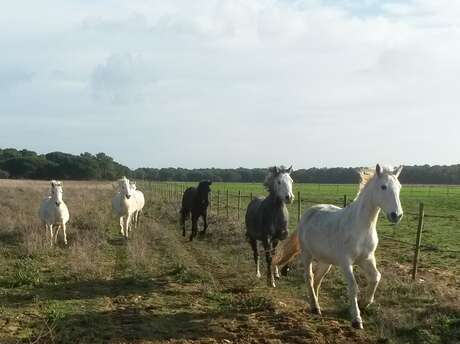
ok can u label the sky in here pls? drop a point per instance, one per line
(229, 83)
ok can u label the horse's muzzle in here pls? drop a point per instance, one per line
(58, 204)
(128, 196)
(394, 218)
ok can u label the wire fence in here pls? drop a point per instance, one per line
(441, 230)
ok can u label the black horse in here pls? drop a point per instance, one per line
(267, 218)
(195, 201)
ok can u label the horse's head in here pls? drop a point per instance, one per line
(280, 182)
(204, 188)
(125, 187)
(386, 192)
(56, 192)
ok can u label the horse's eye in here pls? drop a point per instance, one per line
(383, 187)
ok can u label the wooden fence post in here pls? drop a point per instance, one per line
(239, 202)
(227, 204)
(210, 201)
(345, 200)
(218, 202)
(299, 206)
(250, 196)
(418, 241)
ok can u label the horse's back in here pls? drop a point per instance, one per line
(321, 232)
(318, 214)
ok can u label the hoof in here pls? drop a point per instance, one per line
(271, 284)
(258, 275)
(316, 311)
(285, 270)
(277, 277)
(357, 324)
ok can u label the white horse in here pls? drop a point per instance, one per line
(344, 237)
(124, 205)
(140, 202)
(54, 212)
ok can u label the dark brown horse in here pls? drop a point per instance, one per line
(195, 201)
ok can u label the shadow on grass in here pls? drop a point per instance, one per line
(80, 290)
(133, 324)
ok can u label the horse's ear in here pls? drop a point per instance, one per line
(289, 170)
(378, 170)
(209, 182)
(398, 170)
(276, 170)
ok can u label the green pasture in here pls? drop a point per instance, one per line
(441, 232)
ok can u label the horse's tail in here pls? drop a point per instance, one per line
(288, 249)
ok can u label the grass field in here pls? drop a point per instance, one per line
(159, 288)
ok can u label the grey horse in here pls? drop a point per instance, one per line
(267, 218)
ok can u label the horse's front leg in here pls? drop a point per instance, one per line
(205, 221)
(51, 233)
(268, 255)
(122, 226)
(277, 273)
(369, 267)
(126, 222)
(64, 231)
(356, 320)
(255, 251)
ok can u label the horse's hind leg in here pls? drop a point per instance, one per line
(312, 299)
(268, 256)
(321, 270)
(56, 234)
(135, 215)
(205, 221)
(194, 226)
(183, 215)
(255, 250)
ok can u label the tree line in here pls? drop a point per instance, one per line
(26, 164)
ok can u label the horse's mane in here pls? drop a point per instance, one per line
(272, 174)
(367, 174)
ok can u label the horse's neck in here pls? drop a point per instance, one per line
(366, 212)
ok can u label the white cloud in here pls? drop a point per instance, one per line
(337, 83)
